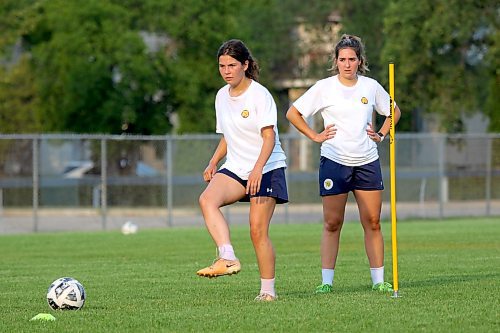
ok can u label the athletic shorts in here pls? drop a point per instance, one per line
(273, 184)
(335, 178)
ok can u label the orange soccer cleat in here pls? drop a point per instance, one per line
(221, 267)
(264, 297)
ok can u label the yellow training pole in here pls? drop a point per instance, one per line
(392, 145)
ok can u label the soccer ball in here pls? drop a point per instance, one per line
(129, 228)
(66, 294)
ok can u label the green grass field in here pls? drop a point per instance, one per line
(449, 279)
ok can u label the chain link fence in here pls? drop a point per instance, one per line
(90, 182)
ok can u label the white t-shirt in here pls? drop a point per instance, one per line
(350, 109)
(240, 119)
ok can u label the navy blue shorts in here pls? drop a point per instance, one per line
(273, 185)
(335, 178)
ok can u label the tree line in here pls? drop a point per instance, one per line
(147, 67)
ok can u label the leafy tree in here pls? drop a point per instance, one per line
(439, 49)
(492, 106)
(195, 29)
(102, 79)
(18, 93)
(12, 22)
(364, 18)
(92, 72)
(269, 27)
(18, 99)
(87, 69)
(198, 28)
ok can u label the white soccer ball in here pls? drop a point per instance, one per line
(129, 228)
(66, 294)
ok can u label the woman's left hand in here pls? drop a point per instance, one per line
(254, 181)
(372, 134)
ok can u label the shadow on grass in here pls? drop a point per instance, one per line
(449, 279)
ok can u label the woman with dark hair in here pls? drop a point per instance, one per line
(349, 156)
(254, 166)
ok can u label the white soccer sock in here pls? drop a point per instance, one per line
(267, 287)
(327, 274)
(226, 251)
(377, 274)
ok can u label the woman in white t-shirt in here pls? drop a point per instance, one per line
(254, 168)
(349, 155)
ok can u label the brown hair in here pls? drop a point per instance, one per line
(236, 48)
(354, 43)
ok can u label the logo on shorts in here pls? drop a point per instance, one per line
(364, 100)
(269, 190)
(245, 113)
(328, 184)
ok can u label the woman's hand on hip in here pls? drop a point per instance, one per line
(327, 134)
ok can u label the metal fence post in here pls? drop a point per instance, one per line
(442, 176)
(104, 184)
(489, 147)
(170, 171)
(36, 184)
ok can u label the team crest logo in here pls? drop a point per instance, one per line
(364, 100)
(245, 113)
(328, 184)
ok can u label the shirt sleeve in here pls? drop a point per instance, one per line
(267, 113)
(218, 128)
(310, 102)
(382, 101)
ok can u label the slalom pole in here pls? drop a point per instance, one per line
(392, 146)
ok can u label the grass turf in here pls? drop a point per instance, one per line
(448, 278)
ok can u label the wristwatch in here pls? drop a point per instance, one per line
(381, 136)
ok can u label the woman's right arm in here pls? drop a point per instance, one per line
(295, 117)
(218, 155)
